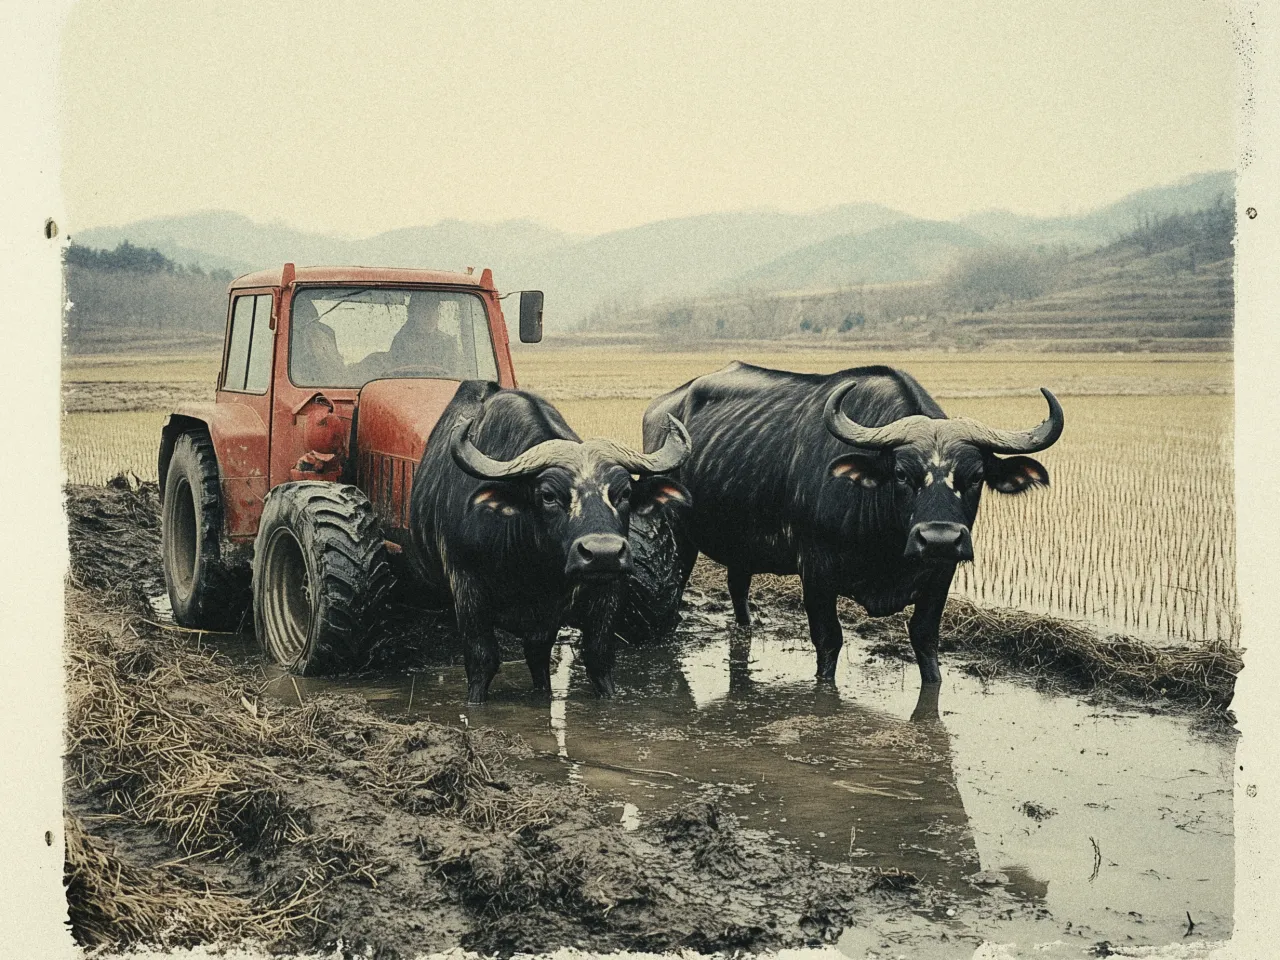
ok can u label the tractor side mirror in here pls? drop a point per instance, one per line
(530, 316)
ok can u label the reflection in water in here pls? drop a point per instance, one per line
(822, 771)
(988, 788)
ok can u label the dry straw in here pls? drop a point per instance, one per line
(173, 738)
(111, 901)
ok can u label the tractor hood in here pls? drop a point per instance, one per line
(395, 417)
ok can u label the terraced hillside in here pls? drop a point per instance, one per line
(1117, 300)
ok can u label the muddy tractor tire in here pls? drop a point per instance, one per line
(320, 571)
(650, 608)
(203, 591)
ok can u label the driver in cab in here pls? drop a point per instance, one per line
(420, 345)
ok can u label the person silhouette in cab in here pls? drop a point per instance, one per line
(420, 346)
(315, 360)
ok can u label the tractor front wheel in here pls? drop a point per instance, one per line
(320, 569)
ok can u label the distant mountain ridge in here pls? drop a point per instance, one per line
(909, 250)
(750, 249)
(1106, 223)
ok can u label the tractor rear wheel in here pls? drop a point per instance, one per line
(203, 591)
(650, 608)
(320, 569)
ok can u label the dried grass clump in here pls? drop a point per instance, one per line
(1202, 676)
(111, 901)
(144, 731)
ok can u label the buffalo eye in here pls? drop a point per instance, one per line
(548, 497)
(900, 474)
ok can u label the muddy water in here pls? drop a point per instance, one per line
(1089, 822)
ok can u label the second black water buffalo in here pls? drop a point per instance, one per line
(856, 481)
(521, 522)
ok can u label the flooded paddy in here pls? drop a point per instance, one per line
(1038, 817)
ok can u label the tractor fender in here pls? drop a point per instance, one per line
(241, 442)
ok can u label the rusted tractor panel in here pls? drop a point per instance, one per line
(240, 440)
(395, 419)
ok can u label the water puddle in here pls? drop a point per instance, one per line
(1110, 823)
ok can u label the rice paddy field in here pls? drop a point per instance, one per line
(1136, 535)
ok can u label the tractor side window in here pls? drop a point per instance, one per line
(260, 343)
(249, 353)
(238, 348)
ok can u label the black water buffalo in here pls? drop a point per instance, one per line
(519, 521)
(856, 481)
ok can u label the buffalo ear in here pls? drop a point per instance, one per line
(504, 499)
(1015, 474)
(653, 492)
(867, 469)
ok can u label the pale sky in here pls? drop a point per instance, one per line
(355, 118)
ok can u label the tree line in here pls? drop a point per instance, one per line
(1202, 236)
(117, 297)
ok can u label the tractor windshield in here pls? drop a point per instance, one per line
(347, 336)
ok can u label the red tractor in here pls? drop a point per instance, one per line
(300, 470)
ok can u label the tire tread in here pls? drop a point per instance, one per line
(337, 525)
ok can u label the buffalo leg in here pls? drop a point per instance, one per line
(597, 640)
(482, 658)
(480, 651)
(923, 628)
(824, 628)
(739, 590)
(537, 654)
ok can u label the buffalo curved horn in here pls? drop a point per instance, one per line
(1016, 441)
(902, 431)
(893, 434)
(675, 448)
(484, 467)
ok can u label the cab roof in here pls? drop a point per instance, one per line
(371, 276)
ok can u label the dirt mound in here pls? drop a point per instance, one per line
(114, 536)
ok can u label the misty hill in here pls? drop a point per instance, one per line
(690, 255)
(216, 240)
(223, 240)
(1164, 285)
(680, 257)
(667, 258)
(136, 298)
(909, 250)
(1107, 224)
